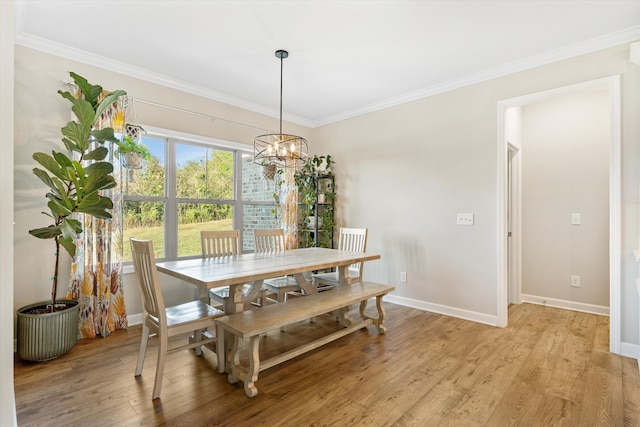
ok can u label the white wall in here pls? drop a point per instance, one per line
(7, 400)
(565, 170)
(41, 112)
(404, 172)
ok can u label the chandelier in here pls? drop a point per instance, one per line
(280, 149)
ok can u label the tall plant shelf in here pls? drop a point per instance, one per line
(316, 210)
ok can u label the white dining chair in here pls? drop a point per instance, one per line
(222, 243)
(349, 239)
(165, 322)
(272, 241)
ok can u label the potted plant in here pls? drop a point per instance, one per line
(268, 169)
(132, 153)
(49, 329)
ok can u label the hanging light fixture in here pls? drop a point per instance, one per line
(280, 149)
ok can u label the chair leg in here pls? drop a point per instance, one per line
(197, 336)
(282, 297)
(143, 350)
(162, 358)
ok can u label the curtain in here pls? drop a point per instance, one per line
(289, 208)
(96, 270)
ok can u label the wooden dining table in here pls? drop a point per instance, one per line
(253, 268)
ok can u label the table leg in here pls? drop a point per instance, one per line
(201, 293)
(343, 275)
(306, 286)
(344, 280)
(255, 289)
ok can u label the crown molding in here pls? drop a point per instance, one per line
(609, 40)
(620, 37)
(92, 59)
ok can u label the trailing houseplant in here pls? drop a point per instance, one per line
(73, 188)
(310, 175)
(132, 153)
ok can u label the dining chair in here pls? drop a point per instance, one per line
(165, 322)
(272, 241)
(349, 239)
(222, 243)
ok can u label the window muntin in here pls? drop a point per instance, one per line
(192, 185)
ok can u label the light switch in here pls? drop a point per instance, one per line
(464, 219)
(575, 219)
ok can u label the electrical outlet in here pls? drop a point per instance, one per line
(575, 219)
(575, 281)
(403, 277)
(464, 219)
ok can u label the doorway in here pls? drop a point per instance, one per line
(508, 286)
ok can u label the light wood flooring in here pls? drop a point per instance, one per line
(550, 367)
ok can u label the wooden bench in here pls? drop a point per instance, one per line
(258, 321)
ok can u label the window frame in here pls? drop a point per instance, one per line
(172, 139)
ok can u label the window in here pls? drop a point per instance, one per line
(192, 184)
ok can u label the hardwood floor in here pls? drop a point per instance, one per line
(549, 367)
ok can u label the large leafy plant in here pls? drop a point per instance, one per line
(75, 179)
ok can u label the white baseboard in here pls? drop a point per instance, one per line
(567, 305)
(630, 350)
(443, 309)
(134, 319)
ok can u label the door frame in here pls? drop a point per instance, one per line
(514, 226)
(612, 84)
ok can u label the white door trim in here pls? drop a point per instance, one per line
(515, 243)
(615, 207)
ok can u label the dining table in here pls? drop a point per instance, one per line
(253, 268)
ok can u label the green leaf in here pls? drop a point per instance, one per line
(77, 225)
(107, 101)
(49, 164)
(44, 177)
(85, 118)
(67, 95)
(60, 190)
(96, 211)
(68, 230)
(62, 159)
(97, 183)
(69, 245)
(104, 135)
(78, 134)
(58, 208)
(100, 168)
(98, 154)
(95, 201)
(91, 92)
(46, 232)
(71, 146)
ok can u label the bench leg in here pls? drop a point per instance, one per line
(379, 322)
(236, 371)
(254, 367)
(233, 361)
(220, 351)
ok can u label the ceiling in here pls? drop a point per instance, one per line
(345, 57)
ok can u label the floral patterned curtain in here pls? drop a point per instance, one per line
(96, 270)
(289, 208)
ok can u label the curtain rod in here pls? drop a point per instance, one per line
(182, 110)
(195, 113)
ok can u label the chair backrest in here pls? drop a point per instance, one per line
(354, 240)
(220, 243)
(144, 266)
(269, 240)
